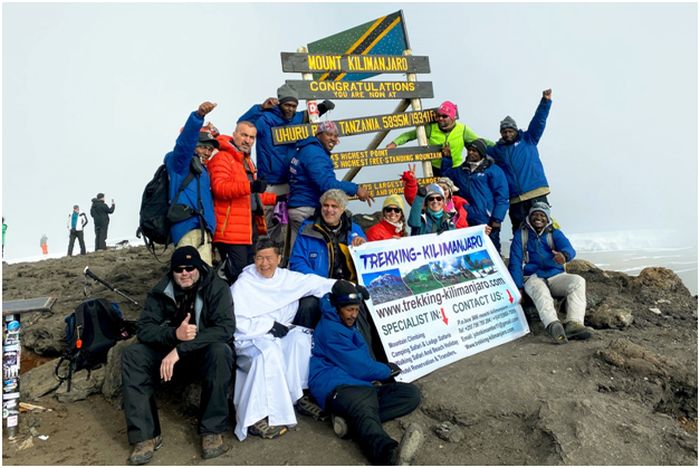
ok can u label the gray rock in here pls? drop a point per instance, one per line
(39, 381)
(83, 384)
(112, 387)
(449, 432)
(608, 316)
(46, 335)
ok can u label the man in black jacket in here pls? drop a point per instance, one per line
(100, 214)
(186, 326)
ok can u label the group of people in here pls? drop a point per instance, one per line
(292, 331)
(77, 220)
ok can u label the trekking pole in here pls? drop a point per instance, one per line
(92, 275)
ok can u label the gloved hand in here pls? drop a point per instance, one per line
(422, 191)
(278, 330)
(363, 291)
(258, 186)
(325, 106)
(395, 370)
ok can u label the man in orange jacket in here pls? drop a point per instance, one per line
(239, 197)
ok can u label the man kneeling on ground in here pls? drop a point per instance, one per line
(186, 325)
(537, 257)
(358, 391)
(273, 343)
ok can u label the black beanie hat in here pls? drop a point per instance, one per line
(344, 293)
(479, 146)
(186, 256)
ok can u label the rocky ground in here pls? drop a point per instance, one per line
(628, 396)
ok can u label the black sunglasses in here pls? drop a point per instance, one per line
(390, 209)
(180, 269)
(434, 199)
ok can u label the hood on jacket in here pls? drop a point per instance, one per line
(544, 208)
(312, 140)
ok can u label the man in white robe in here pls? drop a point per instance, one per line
(272, 353)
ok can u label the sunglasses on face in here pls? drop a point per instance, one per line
(180, 269)
(206, 147)
(391, 209)
(443, 116)
(432, 199)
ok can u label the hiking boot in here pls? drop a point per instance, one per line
(577, 331)
(410, 443)
(340, 426)
(143, 451)
(556, 331)
(264, 430)
(308, 408)
(213, 445)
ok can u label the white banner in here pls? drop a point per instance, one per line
(436, 299)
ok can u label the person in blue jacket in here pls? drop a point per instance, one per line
(311, 174)
(538, 255)
(195, 222)
(516, 153)
(428, 215)
(358, 391)
(485, 187)
(323, 248)
(273, 160)
(322, 245)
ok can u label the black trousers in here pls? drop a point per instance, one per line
(76, 235)
(239, 256)
(518, 211)
(141, 372)
(101, 237)
(495, 237)
(366, 408)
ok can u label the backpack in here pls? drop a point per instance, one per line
(154, 224)
(91, 330)
(524, 235)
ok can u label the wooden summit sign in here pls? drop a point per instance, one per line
(361, 89)
(379, 157)
(376, 123)
(314, 63)
(390, 187)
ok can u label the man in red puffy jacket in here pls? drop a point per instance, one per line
(239, 197)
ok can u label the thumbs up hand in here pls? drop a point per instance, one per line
(186, 331)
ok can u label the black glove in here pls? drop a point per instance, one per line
(422, 191)
(258, 186)
(278, 330)
(363, 291)
(395, 370)
(325, 106)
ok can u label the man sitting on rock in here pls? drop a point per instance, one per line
(272, 346)
(186, 325)
(358, 391)
(537, 257)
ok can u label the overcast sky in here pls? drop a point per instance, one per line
(94, 96)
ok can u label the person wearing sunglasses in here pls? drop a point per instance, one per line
(273, 343)
(191, 211)
(454, 203)
(446, 132)
(359, 392)
(393, 222)
(184, 330)
(428, 213)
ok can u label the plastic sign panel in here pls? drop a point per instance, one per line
(436, 299)
(362, 89)
(308, 63)
(379, 157)
(356, 126)
(382, 36)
